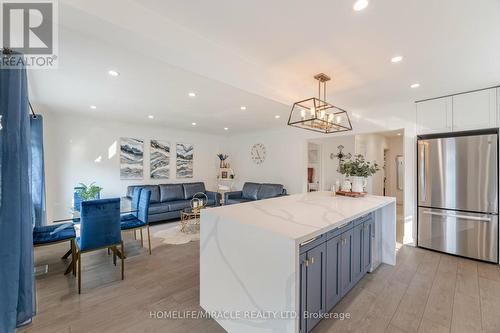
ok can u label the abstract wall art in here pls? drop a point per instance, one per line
(159, 159)
(131, 158)
(184, 161)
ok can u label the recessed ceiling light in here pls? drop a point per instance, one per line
(194, 124)
(243, 108)
(151, 116)
(277, 116)
(225, 128)
(113, 72)
(93, 107)
(415, 85)
(396, 59)
(399, 134)
(360, 5)
(192, 94)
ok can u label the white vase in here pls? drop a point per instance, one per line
(358, 184)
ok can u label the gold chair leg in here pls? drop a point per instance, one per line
(123, 262)
(142, 241)
(114, 255)
(73, 255)
(79, 259)
(149, 240)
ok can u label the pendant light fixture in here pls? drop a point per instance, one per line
(316, 114)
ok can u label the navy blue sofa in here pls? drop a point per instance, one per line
(168, 200)
(254, 191)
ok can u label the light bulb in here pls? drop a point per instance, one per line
(313, 112)
(303, 114)
(330, 117)
(322, 115)
(338, 120)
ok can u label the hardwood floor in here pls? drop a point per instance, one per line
(425, 292)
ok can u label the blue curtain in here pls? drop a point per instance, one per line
(37, 171)
(16, 206)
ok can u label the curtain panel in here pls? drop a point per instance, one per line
(16, 206)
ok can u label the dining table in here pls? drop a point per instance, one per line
(70, 216)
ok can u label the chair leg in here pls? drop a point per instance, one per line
(149, 240)
(73, 255)
(142, 241)
(123, 262)
(79, 259)
(114, 255)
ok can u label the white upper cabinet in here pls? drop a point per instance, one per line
(475, 110)
(434, 116)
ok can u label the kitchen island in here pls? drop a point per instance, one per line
(280, 265)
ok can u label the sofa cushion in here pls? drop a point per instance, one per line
(267, 191)
(178, 205)
(250, 191)
(155, 192)
(236, 201)
(158, 208)
(171, 192)
(191, 189)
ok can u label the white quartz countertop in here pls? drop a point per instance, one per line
(300, 216)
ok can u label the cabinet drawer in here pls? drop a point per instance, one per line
(311, 243)
(339, 230)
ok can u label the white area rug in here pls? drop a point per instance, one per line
(170, 233)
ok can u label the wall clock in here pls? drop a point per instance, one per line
(258, 153)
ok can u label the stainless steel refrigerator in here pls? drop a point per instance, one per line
(458, 193)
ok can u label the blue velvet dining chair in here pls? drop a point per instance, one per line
(99, 229)
(55, 234)
(136, 194)
(142, 220)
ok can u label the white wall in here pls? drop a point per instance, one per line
(73, 145)
(372, 147)
(395, 145)
(329, 166)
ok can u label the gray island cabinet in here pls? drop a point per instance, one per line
(330, 265)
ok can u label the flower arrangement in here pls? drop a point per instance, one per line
(223, 158)
(358, 167)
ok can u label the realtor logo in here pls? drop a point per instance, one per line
(29, 30)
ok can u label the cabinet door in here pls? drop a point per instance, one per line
(303, 291)
(367, 244)
(315, 284)
(434, 116)
(357, 253)
(333, 272)
(475, 110)
(345, 263)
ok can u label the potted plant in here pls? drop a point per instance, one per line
(85, 192)
(358, 169)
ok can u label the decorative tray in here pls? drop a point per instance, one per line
(351, 194)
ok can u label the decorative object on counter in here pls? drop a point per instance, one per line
(340, 155)
(346, 186)
(358, 169)
(131, 158)
(223, 158)
(84, 193)
(351, 194)
(258, 153)
(317, 115)
(184, 162)
(159, 159)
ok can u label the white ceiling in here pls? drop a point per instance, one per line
(262, 54)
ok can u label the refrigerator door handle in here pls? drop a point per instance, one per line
(475, 218)
(423, 172)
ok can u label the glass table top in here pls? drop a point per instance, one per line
(69, 214)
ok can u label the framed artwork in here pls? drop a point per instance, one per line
(159, 159)
(131, 158)
(184, 161)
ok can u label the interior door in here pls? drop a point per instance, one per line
(458, 173)
(466, 234)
